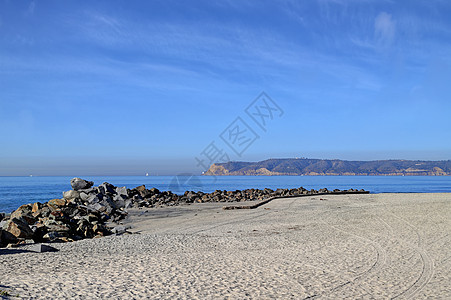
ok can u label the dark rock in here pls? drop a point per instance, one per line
(100, 229)
(90, 218)
(80, 184)
(154, 191)
(145, 193)
(109, 203)
(7, 238)
(19, 228)
(119, 201)
(38, 231)
(106, 188)
(57, 215)
(137, 198)
(52, 235)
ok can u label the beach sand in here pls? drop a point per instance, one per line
(326, 247)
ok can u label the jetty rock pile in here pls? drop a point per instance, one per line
(89, 211)
(81, 213)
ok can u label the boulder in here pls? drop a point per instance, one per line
(19, 228)
(6, 238)
(119, 201)
(80, 184)
(58, 228)
(88, 191)
(94, 198)
(140, 188)
(122, 191)
(128, 204)
(24, 213)
(105, 188)
(58, 215)
(70, 195)
(36, 207)
(84, 196)
(57, 202)
(97, 207)
(107, 201)
(44, 212)
(154, 191)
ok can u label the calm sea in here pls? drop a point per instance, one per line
(15, 191)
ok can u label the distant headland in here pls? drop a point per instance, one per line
(306, 166)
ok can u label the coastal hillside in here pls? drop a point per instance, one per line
(305, 166)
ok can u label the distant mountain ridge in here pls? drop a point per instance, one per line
(305, 166)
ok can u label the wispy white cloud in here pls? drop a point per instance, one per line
(384, 29)
(31, 8)
(212, 52)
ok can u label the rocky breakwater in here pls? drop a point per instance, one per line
(89, 211)
(81, 213)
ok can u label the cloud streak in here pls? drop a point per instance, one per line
(31, 8)
(384, 29)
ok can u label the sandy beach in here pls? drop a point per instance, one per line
(375, 246)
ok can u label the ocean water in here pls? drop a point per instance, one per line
(15, 191)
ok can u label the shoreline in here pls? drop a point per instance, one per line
(52, 186)
(89, 211)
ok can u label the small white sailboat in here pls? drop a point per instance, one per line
(147, 174)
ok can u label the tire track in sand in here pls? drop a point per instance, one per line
(428, 264)
(381, 257)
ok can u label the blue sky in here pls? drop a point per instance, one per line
(128, 87)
